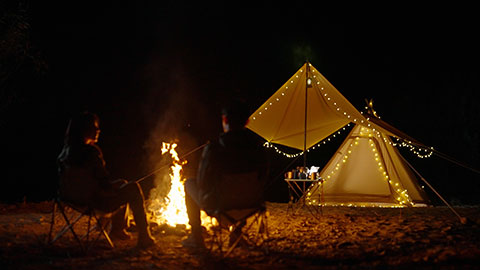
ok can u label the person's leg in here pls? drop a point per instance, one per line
(120, 224)
(133, 194)
(193, 211)
(109, 201)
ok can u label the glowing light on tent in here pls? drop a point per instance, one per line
(309, 82)
(402, 195)
(420, 152)
(324, 141)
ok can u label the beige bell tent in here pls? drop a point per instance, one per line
(366, 170)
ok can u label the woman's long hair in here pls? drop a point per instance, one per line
(78, 126)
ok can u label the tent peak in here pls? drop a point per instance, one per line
(306, 109)
(369, 108)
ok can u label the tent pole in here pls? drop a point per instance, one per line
(462, 219)
(305, 129)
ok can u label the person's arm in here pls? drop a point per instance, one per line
(204, 168)
(99, 170)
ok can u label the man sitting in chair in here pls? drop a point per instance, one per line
(84, 180)
(231, 173)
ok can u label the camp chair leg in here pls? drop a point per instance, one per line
(262, 231)
(265, 225)
(88, 228)
(228, 226)
(217, 240)
(101, 232)
(69, 226)
(52, 221)
(102, 227)
(234, 244)
(66, 228)
(220, 241)
(107, 237)
(243, 234)
(57, 206)
(85, 241)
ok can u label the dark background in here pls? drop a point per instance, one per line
(159, 71)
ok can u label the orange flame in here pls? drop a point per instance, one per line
(172, 210)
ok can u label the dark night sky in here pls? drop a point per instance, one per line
(159, 70)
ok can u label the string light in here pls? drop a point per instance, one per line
(269, 145)
(401, 194)
(420, 152)
(324, 141)
(362, 205)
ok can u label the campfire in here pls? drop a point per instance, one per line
(170, 209)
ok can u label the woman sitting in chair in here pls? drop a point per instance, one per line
(84, 180)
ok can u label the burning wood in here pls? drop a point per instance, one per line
(171, 209)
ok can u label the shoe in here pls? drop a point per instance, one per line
(194, 241)
(120, 235)
(145, 242)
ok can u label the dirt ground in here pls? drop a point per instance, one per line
(338, 238)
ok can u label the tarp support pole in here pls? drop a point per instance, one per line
(305, 130)
(462, 219)
(442, 155)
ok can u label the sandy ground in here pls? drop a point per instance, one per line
(338, 238)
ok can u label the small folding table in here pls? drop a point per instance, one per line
(298, 189)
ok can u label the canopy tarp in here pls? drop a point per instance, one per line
(281, 119)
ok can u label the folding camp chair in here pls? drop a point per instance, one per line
(236, 226)
(86, 224)
(240, 213)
